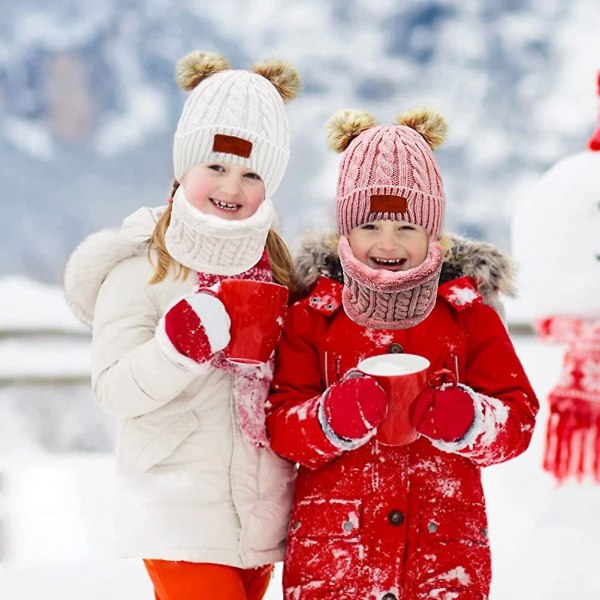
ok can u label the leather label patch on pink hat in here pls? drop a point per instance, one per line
(230, 144)
(388, 203)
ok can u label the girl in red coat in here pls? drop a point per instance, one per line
(373, 521)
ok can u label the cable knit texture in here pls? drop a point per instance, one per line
(209, 244)
(389, 300)
(239, 104)
(390, 160)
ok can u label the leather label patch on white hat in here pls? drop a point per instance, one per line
(230, 144)
(387, 203)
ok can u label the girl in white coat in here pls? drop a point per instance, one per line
(201, 497)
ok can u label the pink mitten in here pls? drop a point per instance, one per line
(197, 326)
(354, 406)
(444, 414)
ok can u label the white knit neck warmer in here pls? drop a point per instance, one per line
(209, 244)
(382, 299)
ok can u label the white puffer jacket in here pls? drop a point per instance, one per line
(190, 485)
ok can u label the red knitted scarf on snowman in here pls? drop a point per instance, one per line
(573, 431)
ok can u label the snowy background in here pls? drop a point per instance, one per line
(88, 104)
(88, 107)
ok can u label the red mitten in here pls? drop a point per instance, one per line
(444, 414)
(197, 326)
(355, 406)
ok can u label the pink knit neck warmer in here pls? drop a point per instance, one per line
(383, 299)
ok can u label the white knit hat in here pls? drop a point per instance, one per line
(235, 116)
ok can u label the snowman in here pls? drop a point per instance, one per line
(556, 242)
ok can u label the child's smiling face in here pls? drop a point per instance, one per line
(225, 190)
(390, 245)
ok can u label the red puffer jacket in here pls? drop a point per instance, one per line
(395, 523)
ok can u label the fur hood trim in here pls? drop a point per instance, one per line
(94, 258)
(491, 269)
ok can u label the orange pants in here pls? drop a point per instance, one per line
(180, 580)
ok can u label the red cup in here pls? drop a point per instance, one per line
(403, 377)
(257, 311)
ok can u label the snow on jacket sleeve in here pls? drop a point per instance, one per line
(507, 404)
(131, 375)
(296, 395)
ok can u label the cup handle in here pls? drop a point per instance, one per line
(353, 374)
(207, 290)
(441, 377)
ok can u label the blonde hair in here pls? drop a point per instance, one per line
(277, 251)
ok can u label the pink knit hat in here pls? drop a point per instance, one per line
(389, 171)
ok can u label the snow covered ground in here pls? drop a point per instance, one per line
(55, 507)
